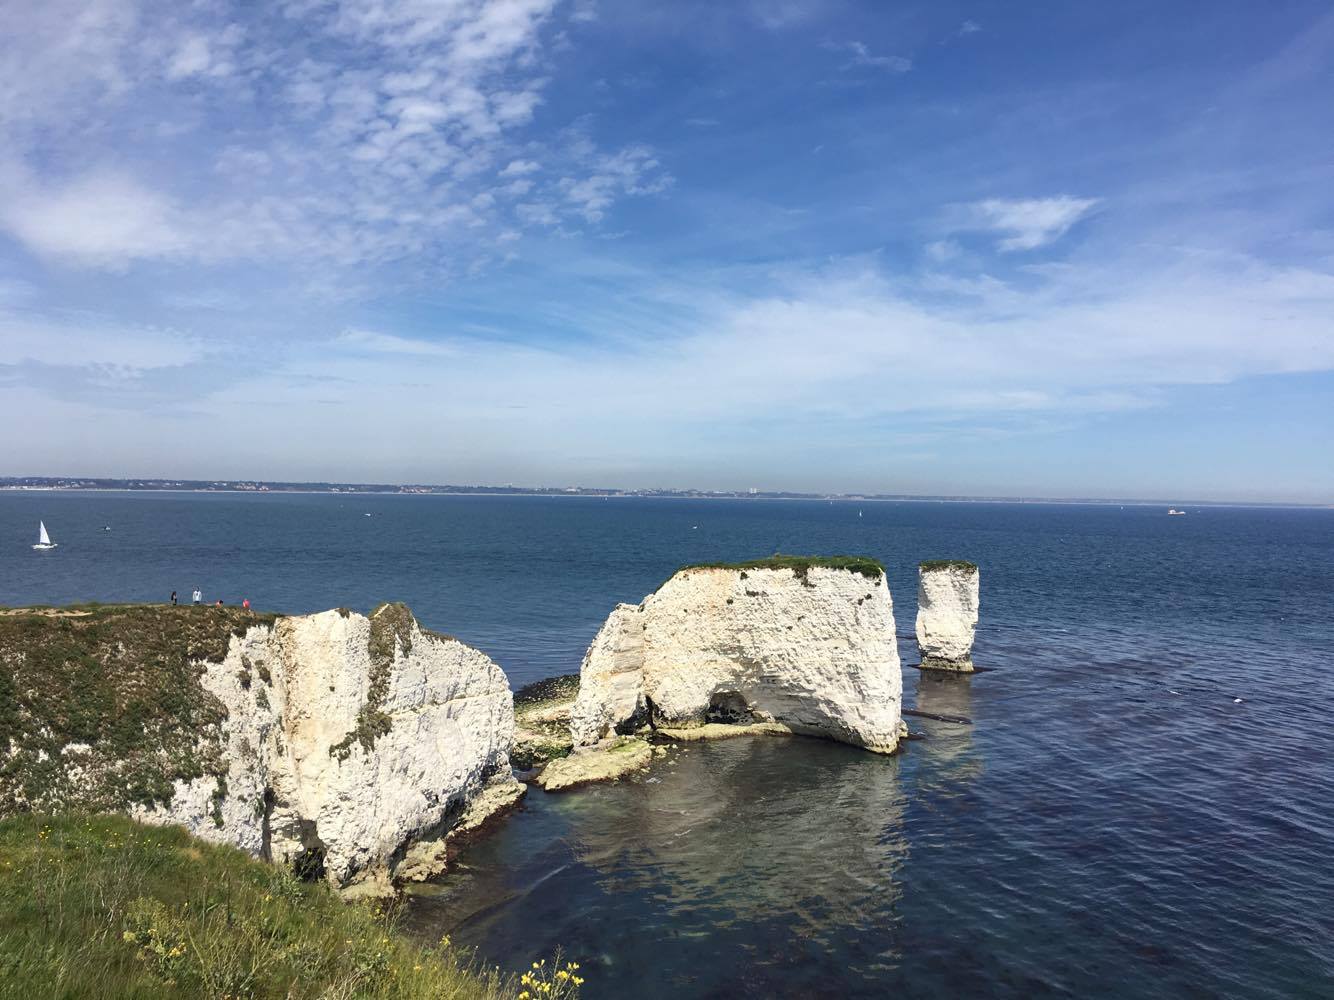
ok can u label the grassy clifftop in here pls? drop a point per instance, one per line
(114, 690)
(102, 907)
(800, 565)
(960, 564)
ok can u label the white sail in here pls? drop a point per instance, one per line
(42, 537)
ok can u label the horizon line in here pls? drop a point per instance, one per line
(166, 484)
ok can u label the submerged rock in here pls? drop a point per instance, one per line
(347, 746)
(947, 601)
(790, 644)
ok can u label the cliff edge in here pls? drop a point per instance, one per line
(349, 747)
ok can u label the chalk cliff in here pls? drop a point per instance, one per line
(343, 744)
(947, 601)
(800, 645)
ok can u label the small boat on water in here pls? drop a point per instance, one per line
(43, 539)
(1173, 510)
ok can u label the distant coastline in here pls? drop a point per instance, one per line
(148, 485)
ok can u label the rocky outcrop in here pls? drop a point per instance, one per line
(612, 759)
(342, 744)
(796, 645)
(542, 721)
(947, 601)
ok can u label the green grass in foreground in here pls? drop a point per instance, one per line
(799, 565)
(960, 564)
(102, 907)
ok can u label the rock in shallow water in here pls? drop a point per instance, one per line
(608, 761)
(808, 648)
(947, 602)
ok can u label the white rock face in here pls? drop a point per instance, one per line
(438, 717)
(611, 679)
(947, 600)
(815, 653)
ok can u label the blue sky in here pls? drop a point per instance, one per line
(986, 248)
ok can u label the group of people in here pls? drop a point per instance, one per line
(198, 598)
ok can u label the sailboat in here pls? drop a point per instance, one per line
(43, 539)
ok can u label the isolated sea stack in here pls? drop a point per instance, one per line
(947, 598)
(349, 747)
(800, 645)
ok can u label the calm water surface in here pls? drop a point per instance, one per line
(1114, 823)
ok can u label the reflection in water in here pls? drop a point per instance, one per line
(949, 745)
(760, 861)
(744, 827)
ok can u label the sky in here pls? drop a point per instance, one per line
(980, 248)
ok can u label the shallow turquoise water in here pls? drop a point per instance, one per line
(1113, 823)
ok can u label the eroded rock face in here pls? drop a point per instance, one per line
(353, 744)
(611, 678)
(811, 651)
(947, 601)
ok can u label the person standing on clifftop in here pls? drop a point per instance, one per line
(173, 598)
(245, 604)
(198, 596)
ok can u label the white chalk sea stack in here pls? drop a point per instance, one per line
(947, 602)
(362, 742)
(791, 645)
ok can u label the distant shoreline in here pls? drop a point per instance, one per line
(354, 490)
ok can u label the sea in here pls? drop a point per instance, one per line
(1141, 803)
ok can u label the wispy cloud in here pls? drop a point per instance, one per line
(1023, 223)
(369, 342)
(862, 57)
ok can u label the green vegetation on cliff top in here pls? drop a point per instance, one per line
(960, 564)
(115, 691)
(103, 907)
(800, 565)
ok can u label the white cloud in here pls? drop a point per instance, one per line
(632, 171)
(520, 168)
(1025, 223)
(777, 14)
(369, 342)
(104, 219)
(847, 346)
(861, 57)
(195, 56)
(940, 251)
(382, 130)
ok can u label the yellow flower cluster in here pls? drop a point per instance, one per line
(559, 984)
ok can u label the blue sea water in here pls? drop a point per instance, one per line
(1143, 805)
